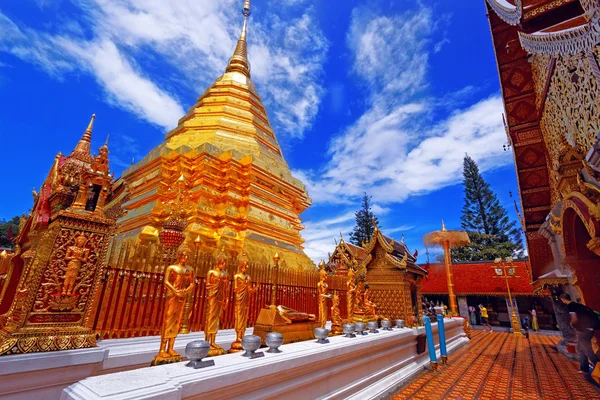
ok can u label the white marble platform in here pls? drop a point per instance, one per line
(45, 375)
(363, 367)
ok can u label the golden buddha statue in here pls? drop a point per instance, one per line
(322, 288)
(361, 311)
(372, 307)
(217, 288)
(178, 281)
(350, 292)
(76, 256)
(243, 289)
(336, 318)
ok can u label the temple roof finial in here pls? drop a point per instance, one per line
(82, 150)
(443, 226)
(239, 61)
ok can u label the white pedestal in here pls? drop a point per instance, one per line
(363, 367)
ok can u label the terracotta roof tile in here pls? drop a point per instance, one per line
(475, 278)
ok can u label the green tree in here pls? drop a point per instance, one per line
(363, 230)
(8, 230)
(491, 232)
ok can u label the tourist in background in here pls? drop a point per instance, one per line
(584, 320)
(484, 318)
(534, 320)
(472, 315)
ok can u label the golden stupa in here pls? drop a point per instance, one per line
(243, 194)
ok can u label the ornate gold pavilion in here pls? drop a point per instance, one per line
(244, 195)
(389, 269)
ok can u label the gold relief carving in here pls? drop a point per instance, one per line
(540, 68)
(571, 112)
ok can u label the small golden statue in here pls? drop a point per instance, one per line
(217, 285)
(322, 288)
(351, 292)
(178, 281)
(76, 256)
(336, 318)
(361, 311)
(372, 307)
(243, 289)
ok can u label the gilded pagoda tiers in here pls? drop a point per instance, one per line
(388, 269)
(243, 193)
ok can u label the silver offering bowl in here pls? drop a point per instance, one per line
(251, 343)
(321, 334)
(373, 325)
(349, 330)
(400, 323)
(274, 340)
(360, 328)
(195, 351)
(386, 324)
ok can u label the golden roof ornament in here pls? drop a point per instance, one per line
(82, 149)
(239, 61)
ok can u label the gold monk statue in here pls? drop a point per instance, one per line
(243, 289)
(350, 292)
(217, 296)
(76, 256)
(322, 288)
(178, 281)
(336, 318)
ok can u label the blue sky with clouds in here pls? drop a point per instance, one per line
(377, 96)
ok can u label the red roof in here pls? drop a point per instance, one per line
(475, 278)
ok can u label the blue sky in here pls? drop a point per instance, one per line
(378, 96)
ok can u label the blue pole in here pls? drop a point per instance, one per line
(442, 333)
(430, 343)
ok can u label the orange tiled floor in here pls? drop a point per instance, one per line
(500, 365)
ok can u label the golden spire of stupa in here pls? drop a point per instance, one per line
(82, 150)
(239, 61)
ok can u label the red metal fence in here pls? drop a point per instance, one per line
(130, 302)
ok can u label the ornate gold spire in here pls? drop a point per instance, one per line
(239, 61)
(82, 150)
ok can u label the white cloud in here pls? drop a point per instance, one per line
(393, 150)
(191, 41)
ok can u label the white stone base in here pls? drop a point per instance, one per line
(45, 375)
(363, 367)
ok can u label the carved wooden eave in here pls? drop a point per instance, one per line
(509, 13)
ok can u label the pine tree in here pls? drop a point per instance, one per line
(363, 230)
(491, 232)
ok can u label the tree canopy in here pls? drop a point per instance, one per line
(363, 230)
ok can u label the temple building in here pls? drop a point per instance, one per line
(390, 271)
(242, 193)
(548, 60)
(475, 283)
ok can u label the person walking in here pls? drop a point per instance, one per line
(584, 320)
(534, 320)
(484, 318)
(472, 315)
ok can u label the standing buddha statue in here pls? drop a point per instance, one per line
(368, 303)
(178, 281)
(243, 289)
(76, 256)
(322, 288)
(336, 318)
(217, 288)
(350, 292)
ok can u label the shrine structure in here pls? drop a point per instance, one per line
(390, 271)
(61, 249)
(245, 197)
(548, 57)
